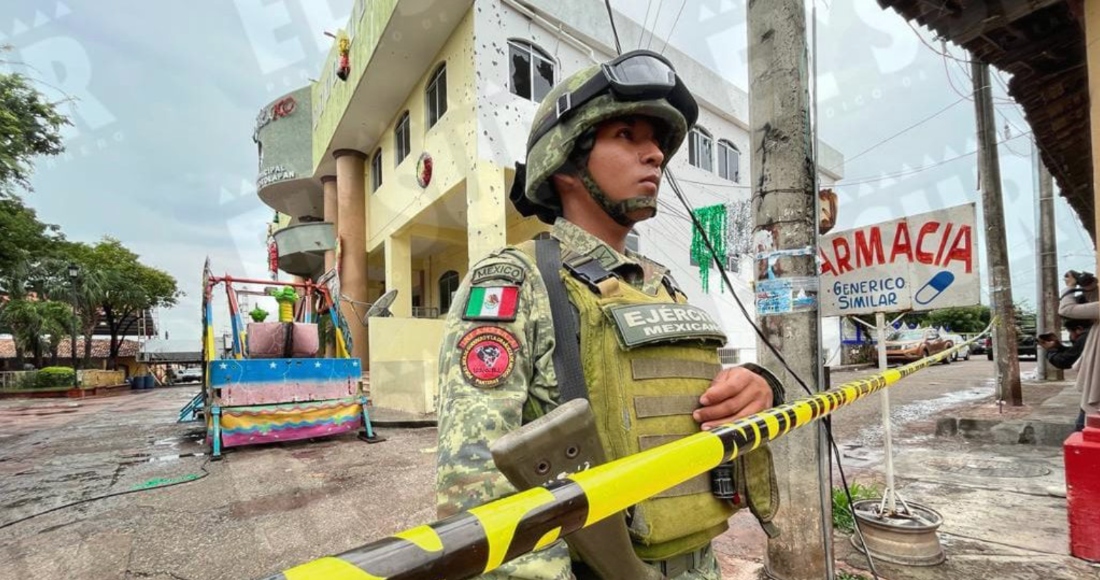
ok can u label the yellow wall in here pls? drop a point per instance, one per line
(404, 366)
(368, 31)
(450, 142)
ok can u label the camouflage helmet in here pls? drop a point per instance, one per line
(549, 152)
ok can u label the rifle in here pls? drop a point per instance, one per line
(562, 442)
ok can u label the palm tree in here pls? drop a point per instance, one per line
(14, 314)
(85, 294)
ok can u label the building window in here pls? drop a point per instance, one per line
(376, 171)
(729, 161)
(401, 145)
(437, 95)
(531, 72)
(448, 284)
(701, 149)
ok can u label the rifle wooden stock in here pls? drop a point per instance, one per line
(562, 442)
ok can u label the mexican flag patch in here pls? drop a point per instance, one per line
(492, 303)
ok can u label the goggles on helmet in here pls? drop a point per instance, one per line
(639, 75)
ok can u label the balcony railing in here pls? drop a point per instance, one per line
(425, 312)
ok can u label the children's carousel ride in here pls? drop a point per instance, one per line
(272, 383)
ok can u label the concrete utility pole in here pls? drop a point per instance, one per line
(1008, 363)
(1047, 252)
(785, 233)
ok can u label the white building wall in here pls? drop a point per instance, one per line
(584, 38)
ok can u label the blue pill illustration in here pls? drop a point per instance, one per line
(934, 287)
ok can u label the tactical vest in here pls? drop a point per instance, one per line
(646, 361)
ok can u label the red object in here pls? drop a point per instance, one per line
(1082, 454)
(424, 169)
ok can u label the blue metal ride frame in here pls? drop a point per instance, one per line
(236, 320)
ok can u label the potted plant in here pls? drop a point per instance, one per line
(258, 314)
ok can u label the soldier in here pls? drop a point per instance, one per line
(646, 360)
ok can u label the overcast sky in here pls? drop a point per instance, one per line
(166, 95)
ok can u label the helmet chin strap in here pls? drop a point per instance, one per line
(619, 211)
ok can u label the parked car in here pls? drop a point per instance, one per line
(1026, 344)
(189, 375)
(956, 339)
(906, 346)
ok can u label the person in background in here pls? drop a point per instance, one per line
(1079, 303)
(1058, 354)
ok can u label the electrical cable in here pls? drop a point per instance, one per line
(907, 172)
(827, 420)
(900, 133)
(614, 32)
(105, 496)
(645, 23)
(674, 23)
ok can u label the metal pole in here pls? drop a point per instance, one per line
(1008, 365)
(72, 340)
(1048, 267)
(785, 236)
(825, 457)
(887, 496)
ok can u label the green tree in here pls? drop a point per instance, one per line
(37, 327)
(23, 238)
(129, 288)
(30, 126)
(961, 319)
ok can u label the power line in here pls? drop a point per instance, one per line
(902, 132)
(645, 23)
(656, 18)
(674, 22)
(614, 31)
(907, 172)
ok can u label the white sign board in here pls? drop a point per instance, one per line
(921, 262)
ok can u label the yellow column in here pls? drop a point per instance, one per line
(399, 273)
(486, 201)
(351, 208)
(1092, 47)
(328, 182)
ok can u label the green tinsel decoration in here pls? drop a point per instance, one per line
(713, 220)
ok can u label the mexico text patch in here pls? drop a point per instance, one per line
(496, 303)
(509, 272)
(488, 356)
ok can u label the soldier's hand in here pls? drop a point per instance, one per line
(736, 392)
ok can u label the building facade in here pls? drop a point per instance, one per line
(413, 129)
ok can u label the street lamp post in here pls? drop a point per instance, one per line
(74, 272)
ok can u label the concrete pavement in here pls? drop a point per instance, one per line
(267, 508)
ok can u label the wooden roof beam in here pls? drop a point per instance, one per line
(979, 17)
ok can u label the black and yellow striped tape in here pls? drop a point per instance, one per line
(481, 539)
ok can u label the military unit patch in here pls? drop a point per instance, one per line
(488, 356)
(496, 303)
(508, 272)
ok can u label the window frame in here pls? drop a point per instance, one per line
(444, 294)
(376, 170)
(436, 106)
(725, 146)
(533, 51)
(700, 133)
(402, 138)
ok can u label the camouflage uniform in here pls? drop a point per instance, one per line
(511, 380)
(471, 417)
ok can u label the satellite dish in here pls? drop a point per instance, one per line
(381, 307)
